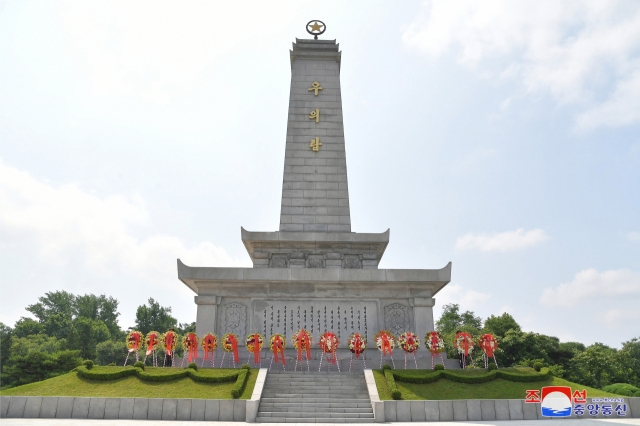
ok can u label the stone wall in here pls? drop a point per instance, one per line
(478, 410)
(123, 408)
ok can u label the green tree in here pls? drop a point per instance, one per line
(596, 366)
(499, 325)
(36, 366)
(112, 351)
(87, 334)
(5, 344)
(99, 308)
(520, 348)
(154, 317)
(629, 360)
(452, 319)
(26, 327)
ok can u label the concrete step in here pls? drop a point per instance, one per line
(317, 400)
(267, 405)
(308, 409)
(309, 420)
(316, 415)
(334, 397)
(328, 389)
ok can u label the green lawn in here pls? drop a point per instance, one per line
(132, 387)
(496, 389)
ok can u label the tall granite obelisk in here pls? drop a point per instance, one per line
(314, 272)
(315, 195)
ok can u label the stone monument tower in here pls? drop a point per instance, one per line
(314, 272)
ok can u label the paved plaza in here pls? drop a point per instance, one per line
(85, 422)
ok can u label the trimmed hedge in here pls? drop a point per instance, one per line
(430, 377)
(241, 381)
(391, 383)
(240, 376)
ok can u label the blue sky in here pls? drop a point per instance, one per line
(501, 136)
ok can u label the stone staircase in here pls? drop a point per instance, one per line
(304, 397)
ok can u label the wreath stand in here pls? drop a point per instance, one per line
(382, 357)
(127, 358)
(441, 359)
(232, 359)
(172, 357)
(334, 358)
(254, 361)
(277, 362)
(486, 360)
(355, 361)
(463, 357)
(305, 357)
(213, 358)
(414, 359)
(154, 358)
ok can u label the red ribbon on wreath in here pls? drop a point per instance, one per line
(466, 342)
(168, 341)
(256, 349)
(303, 339)
(433, 342)
(329, 337)
(386, 345)
(234, 346)
(193, 347)
(135, 338)
(277, 348)
(488, 344)
(208, 346)
(153, 342)
(357, 345)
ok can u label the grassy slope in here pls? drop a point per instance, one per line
(132, 387)
(496, 389)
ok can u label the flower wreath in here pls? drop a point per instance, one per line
(230, 344)
(328, 342)
(434, 342)
(169, 341)
(302, 340)
(253, 347)
(357, 344)
(152, 341)
(190, 345)
(463, 343)
(209, 343)
(385, 341)
(277, 344)
(134, 339)
(488, 344)
(408, 342)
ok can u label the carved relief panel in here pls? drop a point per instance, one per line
(351, 261)
(315, 261)
(396, 317)
(279, 261)
(234, 319)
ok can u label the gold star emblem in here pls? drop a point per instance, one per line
(315, 26)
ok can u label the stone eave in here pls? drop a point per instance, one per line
(432, 279)
(290, 240)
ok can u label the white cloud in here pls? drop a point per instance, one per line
(633, 236)
(591, 285)
(504, 241)
(584, 53)
(617, 317)
(467, 299)
(65, 221)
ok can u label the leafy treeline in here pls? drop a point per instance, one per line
(69, 328)
(596, 366)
